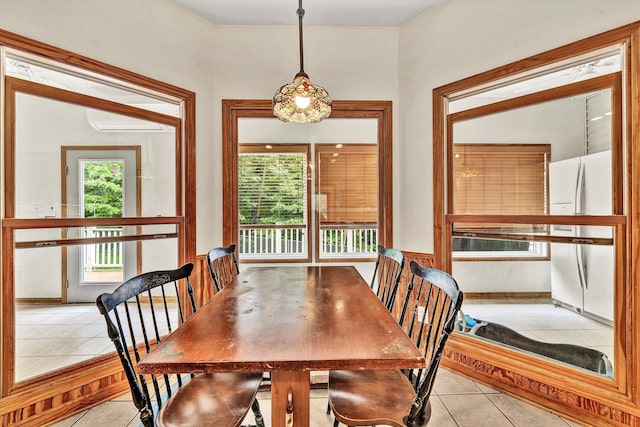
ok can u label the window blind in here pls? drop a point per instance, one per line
(500, 179)
(347, 183)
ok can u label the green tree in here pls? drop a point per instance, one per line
(102, 189)
(271, 188)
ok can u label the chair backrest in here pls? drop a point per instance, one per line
(223, 265)
(139, 314)
(428, 316)
(386, 275)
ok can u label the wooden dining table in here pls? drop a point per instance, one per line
(288, 321)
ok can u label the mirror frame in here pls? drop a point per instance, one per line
(42, 399)
(582, 396)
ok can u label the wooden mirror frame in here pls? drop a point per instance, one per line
(233, 109)
(577, 395)
(43, 399)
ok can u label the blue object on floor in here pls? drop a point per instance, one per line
(470, 321)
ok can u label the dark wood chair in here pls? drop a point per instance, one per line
(139, 314)
(386, 275)
(394, 397)
(223, 265)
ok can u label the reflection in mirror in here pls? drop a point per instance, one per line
(90, 164)
(512, 305)
(50, 335)
(20, 65)
(47, 128)
(545, 289)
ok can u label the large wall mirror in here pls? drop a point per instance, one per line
(547, 289)
(535, 200)
(94, 195)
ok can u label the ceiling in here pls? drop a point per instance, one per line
(317, 12)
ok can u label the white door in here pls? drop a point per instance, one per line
(96, 268)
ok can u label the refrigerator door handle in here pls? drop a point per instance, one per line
(582, 266)
(579, 194)
(579, 210)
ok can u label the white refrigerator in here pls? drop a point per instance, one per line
(582, 275)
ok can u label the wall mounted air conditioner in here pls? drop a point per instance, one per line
(105, 121)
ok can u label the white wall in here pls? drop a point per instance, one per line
(461, 38)
(560, 123)
(162, 40)
(455, 40)
(265, 130)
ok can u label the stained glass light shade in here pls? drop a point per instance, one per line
(301, 101)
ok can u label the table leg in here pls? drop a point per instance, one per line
(290, 398)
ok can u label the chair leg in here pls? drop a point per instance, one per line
(336, 423)
(255, 407)
(328, 408)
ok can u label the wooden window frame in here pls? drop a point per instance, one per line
(233, 110)
(320, 149)
(498, 149)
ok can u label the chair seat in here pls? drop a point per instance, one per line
(220, 399)
(370, 397)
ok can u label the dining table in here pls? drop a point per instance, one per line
(289, 321)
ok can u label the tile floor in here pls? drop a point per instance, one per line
(456, 402)
(53, 336)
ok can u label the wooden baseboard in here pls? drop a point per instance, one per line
(37, 403)
(506, 295)
(43, 301)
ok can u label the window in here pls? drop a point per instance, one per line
(351, 123)
(274, 206)
(273, 201)
(347, 199)
(499, 179)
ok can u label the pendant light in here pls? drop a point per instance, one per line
(301, 101)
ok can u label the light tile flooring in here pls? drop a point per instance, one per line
(456, 402)
(54, 336)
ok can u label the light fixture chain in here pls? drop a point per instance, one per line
(300, 12)
(301, 101)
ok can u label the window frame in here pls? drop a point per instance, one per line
(232, 110)
(256, 148)
(83, 374)
(324, 148)
(560, 387)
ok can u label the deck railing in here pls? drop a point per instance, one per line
(258, 241)
(348, 240)
(99, 256)
(290, 241)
